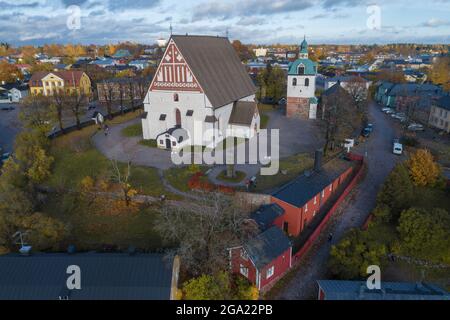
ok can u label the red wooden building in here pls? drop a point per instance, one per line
(264, 259)
(303, 198)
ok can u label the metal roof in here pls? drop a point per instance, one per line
(266, 214)
(310, 67)
(357, 290)
(267, 246)
(444, 102)
(104, 276)
(301, 190)
(217, 68)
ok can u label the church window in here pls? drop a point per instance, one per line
(294, 82)
(307, 82)
(176, 98)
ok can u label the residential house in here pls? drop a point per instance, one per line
(350, 83)
(46, 83)
(440, 114)
(200, 81)
(358, 290)
(104, 276)
(264, 259)
(139, 64)
(13, 92)
(121, 54)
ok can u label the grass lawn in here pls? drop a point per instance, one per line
(134, 130)
(239, 176)
(149, 143)
(290, 168)
(89, 231)
(76, 158)
(264, 120)
(178, 177)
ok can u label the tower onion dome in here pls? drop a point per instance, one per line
(304, 46)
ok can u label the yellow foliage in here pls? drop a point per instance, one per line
(424, 171)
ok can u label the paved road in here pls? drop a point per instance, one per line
(9, 127)
(353, 213)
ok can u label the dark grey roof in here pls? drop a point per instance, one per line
(299, 191)
(335, 89)
(104, 276)
(410, 89)
(266, 214)
(357, 290)
(346, 79)
(444, 102)
(243, 112)
(267, 246)
(217, 68)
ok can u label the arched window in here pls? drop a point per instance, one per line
(175, 97)
(307, 82)
(301, 70)
(294, 81)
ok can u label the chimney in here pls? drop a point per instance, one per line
(318, 160)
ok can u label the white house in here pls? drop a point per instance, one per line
(12, 93)
(201, 94)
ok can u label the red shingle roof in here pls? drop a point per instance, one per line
(67, 76)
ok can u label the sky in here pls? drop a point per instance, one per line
(39, 22)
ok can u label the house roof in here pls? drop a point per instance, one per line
(266, 214)
(346, 79)
(444, 102)
(357, 290)
(310, 67)
(335, 89)
(243, 112)
(305, 187)
(104, 276)
(267, 246)
(217, 68)
(65, 75)
(412, 89)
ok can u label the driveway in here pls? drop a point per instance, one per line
(380, 162)
(10, 126)
(296, 136)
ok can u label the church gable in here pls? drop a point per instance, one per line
(173, 73)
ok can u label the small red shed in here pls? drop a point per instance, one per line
(264, 259)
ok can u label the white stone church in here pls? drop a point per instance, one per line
(200, 86)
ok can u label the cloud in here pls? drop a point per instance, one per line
(225, 10)
(251, 21)
(435, 23)
(115, 5)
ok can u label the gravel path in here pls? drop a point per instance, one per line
(380, 161)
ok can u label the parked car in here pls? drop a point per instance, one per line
(416, 127)
(366, 132)
(8, 108)
(4, 157)
(385, 109)
(397, 147)
(390, 111)
(369, 127)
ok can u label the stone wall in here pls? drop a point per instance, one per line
(297, 108)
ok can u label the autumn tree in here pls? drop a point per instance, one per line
(243, 51)
(220, 286)
(122, 176)
(9, 72)
(204, 231)
(440, 72)
(36, 112)
(424, 234)
(423, 169)
(357, 88)
(75, 101)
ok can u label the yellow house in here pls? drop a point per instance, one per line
(46, 83)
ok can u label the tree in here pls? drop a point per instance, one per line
(221, 286)
(9, 72)
(204, 231)
(122, 177)
(357, 89)
(353, 254)
(243, 51)
(75, 101)
(36, 112)
(340, 116)
(397, 191)
(424, 234)
(440, 72)
(423, 169)
(59, 106)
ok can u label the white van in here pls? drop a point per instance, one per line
(398, 147)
